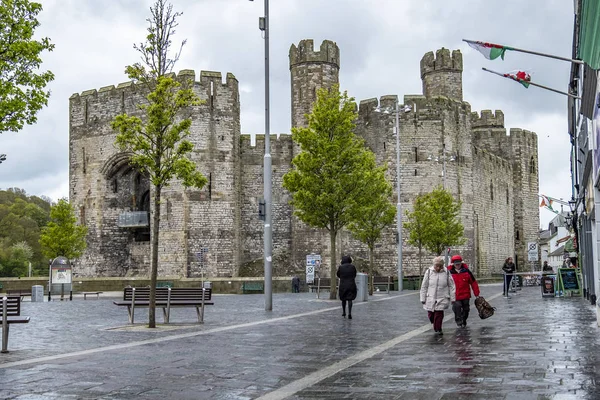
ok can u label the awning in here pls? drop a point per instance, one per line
(589, 33)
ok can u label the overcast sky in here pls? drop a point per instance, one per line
(381, 44)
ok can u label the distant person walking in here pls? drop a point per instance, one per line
(295, 284)
(437, 293)
(347, 274)
(547, 267)
(509, 267)
(465, 282)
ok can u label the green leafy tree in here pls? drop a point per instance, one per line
(434, 222)
(327, 181)
(22, 86)
(375, 214)
(159, 142)
(417, 226)
(62, 236)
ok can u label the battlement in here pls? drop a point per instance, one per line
(206, 79)
(523, 137)
(441, 62)
(488, 119)
(328, 53)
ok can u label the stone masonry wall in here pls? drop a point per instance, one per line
(442, 74)
(188, 221)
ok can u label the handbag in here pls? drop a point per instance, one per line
(484, 308)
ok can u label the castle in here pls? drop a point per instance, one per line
(217, 230)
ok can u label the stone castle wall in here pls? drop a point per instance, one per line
(220, 223)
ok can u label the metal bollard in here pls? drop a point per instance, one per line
(202, 312)
(132, 305)
(168, 304)
(4, 325)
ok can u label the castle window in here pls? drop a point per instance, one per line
(492, 190)
(507, 196)
(416, 154)
(517, 235)
(383, 146)
(115, 185)
(210, 186)
(532, 166)
(83, 156)
(415, 172)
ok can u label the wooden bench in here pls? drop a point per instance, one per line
(10, 313)
(166, 298)
(253, 287)
(85, 294)
(386, 282)
(19, 292)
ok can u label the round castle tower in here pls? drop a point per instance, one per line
(442, 74)
(311, 70)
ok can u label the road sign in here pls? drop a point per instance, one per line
(313, 262)
(532, 251)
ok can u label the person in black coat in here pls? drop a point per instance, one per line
(347, 274)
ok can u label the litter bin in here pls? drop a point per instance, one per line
(37, 293)
(362, 293)
(207, 285)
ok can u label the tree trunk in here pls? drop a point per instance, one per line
(333, 267)
(154, 260)
(420, 264)
(371, 265)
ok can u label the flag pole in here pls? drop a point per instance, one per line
(531, 83)
(535, 53)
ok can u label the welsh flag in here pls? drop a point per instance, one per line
(546, 202)
(490, 51)
(520, 76)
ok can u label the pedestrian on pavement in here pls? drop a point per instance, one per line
(295, 284)
(437, 293)
(509, 268)
(547, 267)
(464, 282)
(347, 274)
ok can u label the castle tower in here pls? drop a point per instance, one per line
(442, 74)
(311, 70)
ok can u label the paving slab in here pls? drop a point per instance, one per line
(532, 348)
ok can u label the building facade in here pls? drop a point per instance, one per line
(217, 230)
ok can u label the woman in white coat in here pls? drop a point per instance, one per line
(437, 293)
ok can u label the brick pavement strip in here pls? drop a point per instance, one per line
(532, 348)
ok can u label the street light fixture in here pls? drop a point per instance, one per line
(443, 157)
(263, 25)
(396, 111)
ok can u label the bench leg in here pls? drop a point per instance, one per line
(5, 336)
(166, 314)
(84, 296)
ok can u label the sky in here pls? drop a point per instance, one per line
(381, 44)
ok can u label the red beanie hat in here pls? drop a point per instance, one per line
(456, 258)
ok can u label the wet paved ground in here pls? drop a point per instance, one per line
(532, 348)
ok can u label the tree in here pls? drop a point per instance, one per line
(417, 226)
(22, 92)
(62, 236)
(158, 144)
(434, 223)
(374, 215)
(328, 176)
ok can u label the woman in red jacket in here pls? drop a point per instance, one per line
(464, 282)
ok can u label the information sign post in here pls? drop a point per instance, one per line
(61, 278)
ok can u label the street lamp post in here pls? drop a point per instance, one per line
(268, 244)
(396, 111)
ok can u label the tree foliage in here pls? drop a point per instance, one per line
(434, 222)
(22, 85)
(21, 219)
(158, 142)
(375, 214)
(62, 236)
(327, 181)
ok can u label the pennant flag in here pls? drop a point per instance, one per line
(522, 77)
(490, 51)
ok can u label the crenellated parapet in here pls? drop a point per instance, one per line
(441, 62)
(487, 119)
(442, 74)
(329, 53)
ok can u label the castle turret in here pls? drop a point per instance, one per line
(442, 74)
(311, 70)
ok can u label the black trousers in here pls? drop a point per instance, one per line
(461, 310)
(507, 279)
